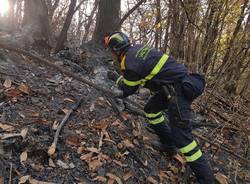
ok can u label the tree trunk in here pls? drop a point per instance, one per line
(191, 40)
(108, 18)
(178, 23)
(245, 89)
(166, 37)
(35, 21)
(212, 28)
(11, 15)
(18, 13)
(157, 23)
(90, 21)
(63, 35)
(51, 8)
(238, 69)
(236, 31)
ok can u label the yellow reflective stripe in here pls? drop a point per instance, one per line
(152, 115)
(158, 67)
(154, 72)
(118, 80)
(131, 83)
(194, 157)
(189, 147)
(156, 121)
(122, 66)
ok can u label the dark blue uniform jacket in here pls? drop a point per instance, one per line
(139, 61)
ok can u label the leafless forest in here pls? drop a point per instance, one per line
(53, 65)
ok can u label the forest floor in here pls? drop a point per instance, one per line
(98, 145)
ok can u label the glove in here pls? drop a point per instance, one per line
(113, 75)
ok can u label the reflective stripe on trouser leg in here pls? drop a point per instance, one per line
(191, 151)
(155, 118)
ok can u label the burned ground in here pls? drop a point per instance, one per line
(97, 144)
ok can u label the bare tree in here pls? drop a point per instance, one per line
(35, 21)
(158, 23)
(108, 19)
(63, 35)
(11, 15)
(52, 7)
(90, 21)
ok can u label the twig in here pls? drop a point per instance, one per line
(134, 110)
(187, 15)
(236, 174)
(7, 136)
(52, 148)
(10, 176)
(78, 6)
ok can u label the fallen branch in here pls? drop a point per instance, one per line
(41, 60)
(10, 175)
(46, 62)
(22, 134)
(52, 148)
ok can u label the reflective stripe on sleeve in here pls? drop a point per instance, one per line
(158, 67)
(189, 147)
(194, 157)
(154, 72)
(131, 83)
(118, 80)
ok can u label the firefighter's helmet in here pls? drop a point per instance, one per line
(117, 42)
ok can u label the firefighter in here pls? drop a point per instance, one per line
(173, 88)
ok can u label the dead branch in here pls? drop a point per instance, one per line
(22, 134)
(10, 175)
(46, 62)
(131, 11)
(78, 6)
(52, 148)
(187, 15)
